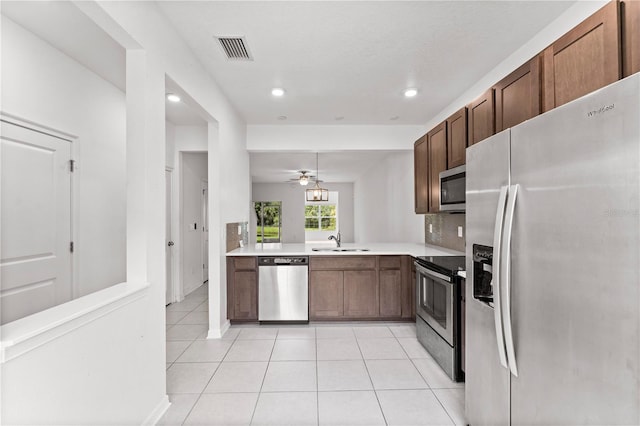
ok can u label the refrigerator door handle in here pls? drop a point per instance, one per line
(496, 278)
(506, 280)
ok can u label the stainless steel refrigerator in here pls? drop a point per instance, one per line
(553, 291)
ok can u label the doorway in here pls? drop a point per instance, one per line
(269, 221)
(169, 298)
(205, 231)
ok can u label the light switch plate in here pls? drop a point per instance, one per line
(460, 231)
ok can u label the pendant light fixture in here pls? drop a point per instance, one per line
(316, 193)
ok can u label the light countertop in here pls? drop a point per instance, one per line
(411, 249)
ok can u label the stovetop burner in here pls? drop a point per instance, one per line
(449, 265)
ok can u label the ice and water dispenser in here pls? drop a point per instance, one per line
(482, 273)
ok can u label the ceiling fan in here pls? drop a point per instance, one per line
(304, 178)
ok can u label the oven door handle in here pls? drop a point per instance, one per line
(496, 278)
(506, 280)
(433, 274)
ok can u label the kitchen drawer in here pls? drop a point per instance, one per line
(342, 262)
(244, 263)
(390, 262)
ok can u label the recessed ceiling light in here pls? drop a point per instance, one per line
(394, 118)
(277, 92)
(282, 117)
(173, 97)
(410, 93)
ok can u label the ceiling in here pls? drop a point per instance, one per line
(349, 59)
(185, 112)
(335, 167)
(353, 59)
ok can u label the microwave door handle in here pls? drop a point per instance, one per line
(496, 278)
(506, 280)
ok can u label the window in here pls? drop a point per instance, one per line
(269, 223)
(322, 217)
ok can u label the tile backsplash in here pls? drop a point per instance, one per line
(443, 231)
(237, 233)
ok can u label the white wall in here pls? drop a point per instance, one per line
(229, 177)
(331, 138)
(105, 360)
(41, 84)
(293, 201)
(194, 171)
(383, 199)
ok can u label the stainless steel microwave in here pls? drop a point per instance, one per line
(452, 189)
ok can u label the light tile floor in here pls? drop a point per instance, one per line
(317, 374)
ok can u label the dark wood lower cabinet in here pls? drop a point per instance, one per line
(242, 288)
(391, 293)
(340, 287)
(361, 294)
(245, 300)
(326, 294)
(360, 287)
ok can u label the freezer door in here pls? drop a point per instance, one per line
(487, 382)
(575, 262)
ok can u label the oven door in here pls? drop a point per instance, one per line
(435, 301)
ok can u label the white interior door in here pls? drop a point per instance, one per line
(205, 231)
(168, 237)
(35, 260)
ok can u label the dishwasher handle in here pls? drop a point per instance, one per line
(283, 260)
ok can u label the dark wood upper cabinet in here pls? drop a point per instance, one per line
(481, 118)
(437, 163)
(630, 37)
(421, 175)
(456, 138)
(585, 59)
(518, 95)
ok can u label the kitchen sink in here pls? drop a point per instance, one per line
(339, 249)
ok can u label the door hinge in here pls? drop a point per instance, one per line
(72, 165)
(71, 246)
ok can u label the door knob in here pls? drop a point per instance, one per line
(170, 243)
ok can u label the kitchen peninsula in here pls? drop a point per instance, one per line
(364, 282)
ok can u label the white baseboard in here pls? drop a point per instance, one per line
(218, 333)
(158, 412)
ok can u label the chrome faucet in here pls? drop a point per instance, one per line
(336, 238)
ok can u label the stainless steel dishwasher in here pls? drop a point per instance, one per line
(283, 288)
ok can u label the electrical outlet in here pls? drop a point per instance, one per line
(460, 231)
(431, 228)
(239, 229)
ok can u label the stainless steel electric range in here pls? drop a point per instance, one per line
(438, 296)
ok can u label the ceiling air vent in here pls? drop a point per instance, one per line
(235, 48)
